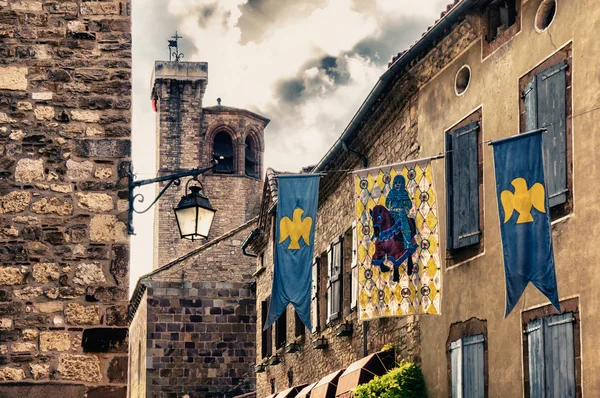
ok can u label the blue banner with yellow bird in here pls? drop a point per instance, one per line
(294, 240)
(524, 217)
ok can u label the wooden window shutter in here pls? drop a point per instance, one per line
(559, 356)
(551, 87)
(354, 269)
(267, 335)
(314, 295)
(463, 187)
(473, 367)
(535, 350)
(329, 280)
(467, 362)
(456, 368)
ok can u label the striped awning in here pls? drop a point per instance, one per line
(306, 391)
(364, 370)
(327, 386)
(291, 392)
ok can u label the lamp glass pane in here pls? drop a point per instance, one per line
(205, 219)
(186, 218)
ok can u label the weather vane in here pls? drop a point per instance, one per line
(173, 44)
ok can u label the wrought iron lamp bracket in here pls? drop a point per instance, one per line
(171, 179)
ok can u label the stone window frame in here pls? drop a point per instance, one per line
(565, 54)
(489, 47)
(251, 133)
(460, 330)
(463, 255)
(209, 143)
(566, 305)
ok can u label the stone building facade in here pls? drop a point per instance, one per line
(476, 64)
(65, 115)
(190, 136)
(193, 319)
(192, 329)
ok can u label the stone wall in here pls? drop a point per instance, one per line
(388, 135)
(196, 323)
(65, 97)
(200, 339)
(138, 329)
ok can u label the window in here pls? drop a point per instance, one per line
(545, 101)
(463, 186)
(551, 356)
(334, 280)
(552, 351)
(267, 335)
(223, 152)
(281, 330)
(314, 296)
(500, 23)
(251, 162)
(354, 269)
(299, 329)
(468, 367)
(467, 358)
(501, 16)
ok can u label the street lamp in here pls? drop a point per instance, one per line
(194, 214)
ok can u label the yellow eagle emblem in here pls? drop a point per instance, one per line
(295, 229)
(522, 200)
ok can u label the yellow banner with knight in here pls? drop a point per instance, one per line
(398, 241)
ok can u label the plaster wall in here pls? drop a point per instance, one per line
(476, 288)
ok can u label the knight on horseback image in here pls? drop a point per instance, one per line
(394, 231)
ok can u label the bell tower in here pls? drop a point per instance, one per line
(189, 136)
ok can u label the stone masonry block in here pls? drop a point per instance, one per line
(102, 148)
(13, 78)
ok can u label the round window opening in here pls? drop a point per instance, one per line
(545, 14)
(463, 78)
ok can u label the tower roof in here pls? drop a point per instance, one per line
(229, 109)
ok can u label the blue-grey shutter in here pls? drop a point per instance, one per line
(354, 269)
(336, 279)
(551, 113)
(535, 349)
(463, 186)
(530, 98)
(329, 284)
(456, 368)
(314, 296)
(559, 356)
(473, 367)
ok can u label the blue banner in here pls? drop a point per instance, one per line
(524, 217)
(294, 241)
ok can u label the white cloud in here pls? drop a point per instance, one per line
(332, 52)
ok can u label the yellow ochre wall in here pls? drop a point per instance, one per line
(476, 288)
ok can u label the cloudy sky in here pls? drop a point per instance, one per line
(305, 64)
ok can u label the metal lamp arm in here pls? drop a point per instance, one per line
(173, 179)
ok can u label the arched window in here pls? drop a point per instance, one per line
(251, 163)
(223, 152)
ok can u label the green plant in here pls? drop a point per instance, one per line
(405, 381)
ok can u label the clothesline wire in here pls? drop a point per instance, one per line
(445, 152)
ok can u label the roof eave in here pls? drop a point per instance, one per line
(421, 45)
